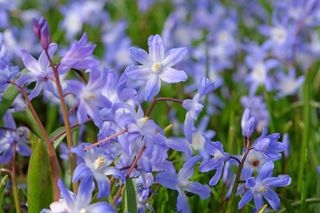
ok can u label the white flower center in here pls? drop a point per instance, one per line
(142, 121)
(217, 155)
(198, 141)
(259, 188)
(259, 72)
(88, 96)
(279, 34)
(83, 210)
(99, 162)
(156, 67)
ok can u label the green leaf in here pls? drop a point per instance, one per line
(8, 97)
(39, 180)
(2, 188)
(130, 200)
(60, 131)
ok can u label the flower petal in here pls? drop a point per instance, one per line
(174, 56)
(171, 75)
(272, 199)
(168, 180)
(156, 48)
(203, 191)
(140, 56)
(247, 197)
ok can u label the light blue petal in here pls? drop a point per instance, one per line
(140, 56)
(152, 87)
(174, 56)
(171, 75)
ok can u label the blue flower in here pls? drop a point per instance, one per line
(288, 84)
(214, 149)
(156, 66)
(70, 203)
(195, 106)
(40, 71)
(181, 183)
(261, 187)
(95, 163)
(90, 97)
(269, 145)
(79, 56)
(13, 139)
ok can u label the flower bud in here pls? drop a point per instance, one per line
(248, 124)
(41, 30)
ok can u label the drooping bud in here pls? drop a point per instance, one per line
(41, 30)
(248, 124)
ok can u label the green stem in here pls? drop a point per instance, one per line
(237, 179)
(65, 118)
(14, 182)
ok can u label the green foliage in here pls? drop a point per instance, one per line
(39, 180)
(130, 200)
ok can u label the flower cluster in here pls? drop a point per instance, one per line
(163, 120)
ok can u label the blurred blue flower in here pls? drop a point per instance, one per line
(11, 139)
(288, 84)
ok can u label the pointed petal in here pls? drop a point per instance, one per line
(152, 87)
(174, 56)
(31, 63)
(171, 75)
(280, 181)
(156, 48)
(85, 191)
(182, 202)
(140, 56)
(103, 185)
(247, 197)
(272, 199)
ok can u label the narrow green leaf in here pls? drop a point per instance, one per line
(307, 96)
(130, 200)
(2, 189)
(60, 131)
(8, 97)
(298, 203)
(39, 180)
